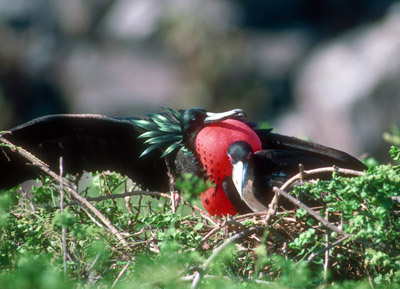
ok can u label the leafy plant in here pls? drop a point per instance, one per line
(130, 239)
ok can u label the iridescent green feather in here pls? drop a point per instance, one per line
(162, 131)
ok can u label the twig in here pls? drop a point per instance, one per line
(310, 211)
(322, 251)
(199, 274)
(120, 274)
(303, 174)
(257, 281)
(210, 234)
(94, 219)
(128, 194)
(90, 269)
(63, 230)
(326, 261)
(43, 167)
(250, 215)
(156, 194)
(272, 207)
(171, 185)
(138, 209)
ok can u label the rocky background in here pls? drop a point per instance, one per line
(326, 70)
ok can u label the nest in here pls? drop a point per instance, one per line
(305, 234)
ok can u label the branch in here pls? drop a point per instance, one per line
(199, 274)
(63, 230)
(120, 274)
(155, 194)
(310, 211)
(305, 174)
(44, 168)
(334, 244)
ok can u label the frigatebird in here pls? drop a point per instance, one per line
(256, 173)
(94, 142)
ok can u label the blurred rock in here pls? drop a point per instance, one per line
(347, 91)
(117, 81)
(132, 19)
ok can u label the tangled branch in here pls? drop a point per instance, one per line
(45, 169)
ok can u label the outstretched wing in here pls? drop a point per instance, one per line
(86, 142)
(330, 155)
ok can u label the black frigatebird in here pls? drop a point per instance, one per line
(256, 173)
(96, 142)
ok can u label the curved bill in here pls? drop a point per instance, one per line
(238, 176)
(230, 114)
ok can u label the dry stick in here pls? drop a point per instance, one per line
(90, 269)
(128, 194)
(35, 161)
(156, 194)
(63, 230)
(272, 207)
(310, 211)
(199, 274)
(120, 274)
(250, 215)
(210, 234)
(257, 281)
(303, 174)
(171, 185)
(94, 219)
(326, 262)
(308, 173)
(322, 251)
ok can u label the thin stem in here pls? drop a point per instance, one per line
(63, 230)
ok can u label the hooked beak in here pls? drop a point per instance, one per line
(237, 113)
(238, 176)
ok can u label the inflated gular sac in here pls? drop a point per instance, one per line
(213, 141)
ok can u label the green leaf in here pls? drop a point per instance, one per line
(395, 153)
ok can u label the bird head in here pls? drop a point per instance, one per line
(173, 129)
(195, 118)
(239, 154)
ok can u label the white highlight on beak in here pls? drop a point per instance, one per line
(238, 176)
(214, 117)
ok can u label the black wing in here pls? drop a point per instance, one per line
(284, 163)
(274, 167)
(331, 156)
(86, 142)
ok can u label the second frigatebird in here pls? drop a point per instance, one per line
(256, 173)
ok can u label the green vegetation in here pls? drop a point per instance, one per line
(159, 248)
